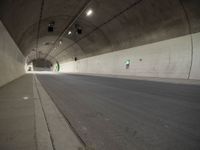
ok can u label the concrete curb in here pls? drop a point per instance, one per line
(56, 134)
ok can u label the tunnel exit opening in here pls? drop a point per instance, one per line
(39, 65)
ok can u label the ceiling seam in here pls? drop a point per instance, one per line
(68, 26)
(109, 20)
(38, 29)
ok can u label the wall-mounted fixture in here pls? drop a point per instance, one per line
(127, 63)
(51, 26)
(75, 58)
(57, 66)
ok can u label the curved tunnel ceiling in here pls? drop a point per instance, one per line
(115, 25)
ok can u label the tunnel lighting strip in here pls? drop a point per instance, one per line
(109, 20)
(69, 25)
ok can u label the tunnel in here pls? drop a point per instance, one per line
(100, 74)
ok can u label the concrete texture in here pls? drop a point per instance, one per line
(30, 121)
(121, 114)
(160, 38)
(195, 70)
(166, 59)
(17, 115)
(62, 136)
(42, 131)
(11, 58)
(115, 24)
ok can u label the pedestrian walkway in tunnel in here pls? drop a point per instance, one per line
(17, 119)
(30, 121)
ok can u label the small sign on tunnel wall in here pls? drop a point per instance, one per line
(127, 63)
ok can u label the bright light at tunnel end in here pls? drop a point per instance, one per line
(42, 72)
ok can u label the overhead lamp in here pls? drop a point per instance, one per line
(78, 29)
(51, 26)
(25, 97)
(60, 42)
(70, 32)
(89, 12)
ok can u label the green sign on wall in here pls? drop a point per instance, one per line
(128, 62)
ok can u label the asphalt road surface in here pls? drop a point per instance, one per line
(122, 114)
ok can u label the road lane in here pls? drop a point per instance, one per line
(122, 114)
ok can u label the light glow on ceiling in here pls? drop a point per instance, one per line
(89, 12)
(70, 32)
(25, 97)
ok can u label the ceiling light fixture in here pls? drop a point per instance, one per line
(25, 97)
(89, 12)
(60, 42)
(51, 26)
(70, 32)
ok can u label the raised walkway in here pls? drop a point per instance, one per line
(29, 119)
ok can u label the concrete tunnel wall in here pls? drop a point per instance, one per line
(174, 58)
(11, 59)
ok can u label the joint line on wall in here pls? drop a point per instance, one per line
(190, 32)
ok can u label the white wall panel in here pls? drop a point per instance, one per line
(165, 59)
